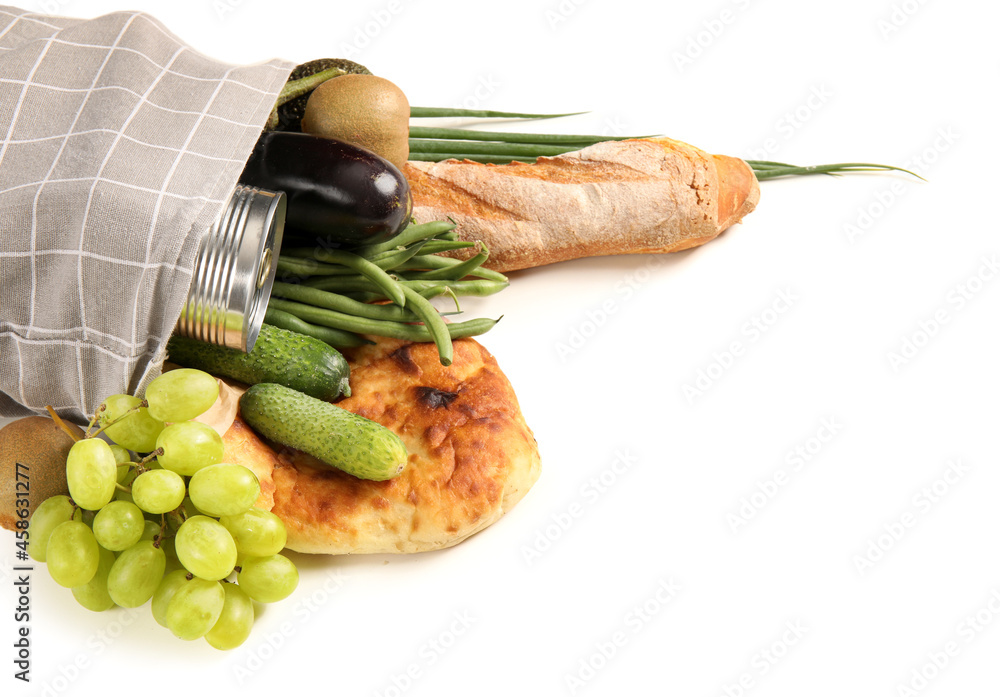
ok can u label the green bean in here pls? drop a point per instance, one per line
(450, 235)
(340, 303)
(436, 246)
(435, 291)
(300, 261)
(417, 112)
(335, 337)
(474, 147)
(310, 267)
(366, 268)
(396, 330)
(456, 271)
(409, 235)
(392, 259)
(479, 287)
(448, 266)
(436, 326)
(472, 327)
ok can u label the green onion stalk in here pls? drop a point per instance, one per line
(431, 144)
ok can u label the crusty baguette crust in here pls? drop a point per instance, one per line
(618, 197)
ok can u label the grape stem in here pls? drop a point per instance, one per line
(61, 424)
(113, 421)
(139, 466)
(93, 419)
(122, 487)
(163, 529)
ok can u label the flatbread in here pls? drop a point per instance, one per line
(471, 456)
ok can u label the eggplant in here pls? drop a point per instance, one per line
(338, 194)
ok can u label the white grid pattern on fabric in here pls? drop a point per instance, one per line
(24, 15)
(126, 345)
(90, 131)
(164, 265)
(100, 229)
(52, 168)
(11, 81)
(126, 185)
(168, 179)
(88, 208)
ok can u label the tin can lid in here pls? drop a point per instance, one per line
(234, 270)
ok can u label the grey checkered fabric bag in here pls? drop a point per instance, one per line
(120, 146)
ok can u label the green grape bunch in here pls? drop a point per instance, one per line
(154, 515)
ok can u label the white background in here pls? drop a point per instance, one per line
(622, 571)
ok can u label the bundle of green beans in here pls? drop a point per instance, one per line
(340, 296)
(501, 147)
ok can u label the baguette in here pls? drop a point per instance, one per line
(653, 195)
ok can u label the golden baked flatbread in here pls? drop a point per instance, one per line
(471, 456)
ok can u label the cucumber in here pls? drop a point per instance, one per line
(279, 355)
(335, 436)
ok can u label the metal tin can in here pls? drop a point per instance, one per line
(234, 270)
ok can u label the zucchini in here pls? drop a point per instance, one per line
(335, 436)
(279, 355)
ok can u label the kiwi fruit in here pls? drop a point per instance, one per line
(38, 443)
(290, 113)
(364, 110)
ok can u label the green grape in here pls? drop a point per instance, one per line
(257, 533)
(224, 489)
(188, 446)
(205, 548)
(122, 456)
(137, 431)
(170, 584)
(124, 459)
(189, 506)
(125, 493)
(195, 608)
(50, 513)
(167, 545)
(122, 475)
(136, 573)
(72, 554)
(118, 525)
(158, 491)
(268, 579)
(93, 595)
(234, 624)
(150, 530)
(91, 473)
(182, 394)
(186, 510)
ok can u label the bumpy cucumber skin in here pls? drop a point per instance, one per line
(280, 356)
(337, 437)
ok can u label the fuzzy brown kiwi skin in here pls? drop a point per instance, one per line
(366, 110)
(40, 447)
(290, 113)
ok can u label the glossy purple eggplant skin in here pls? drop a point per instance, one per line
(339, 193)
